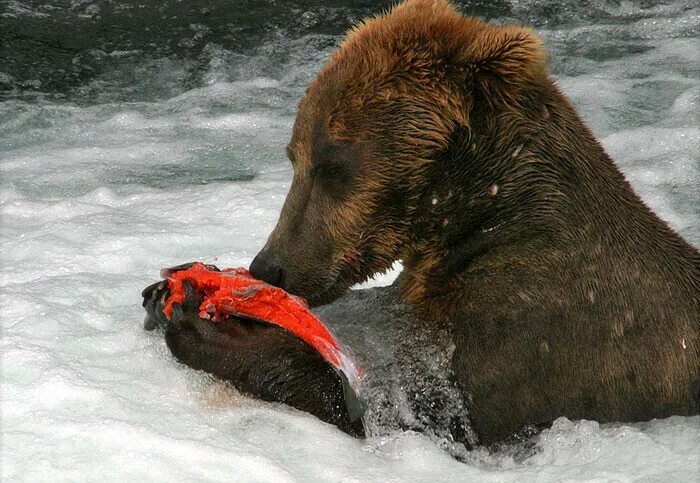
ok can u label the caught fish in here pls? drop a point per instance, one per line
(233, 292)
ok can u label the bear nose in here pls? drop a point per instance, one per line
(266, 270)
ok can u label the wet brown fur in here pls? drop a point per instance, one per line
(442, 141)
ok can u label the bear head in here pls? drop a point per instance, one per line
(369, 131)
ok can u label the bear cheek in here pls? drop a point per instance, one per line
(309, 256)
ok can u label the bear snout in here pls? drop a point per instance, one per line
(264, 267)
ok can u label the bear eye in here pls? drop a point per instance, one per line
(334, 179)
(329, 169)
(335, 165)
(334, 169)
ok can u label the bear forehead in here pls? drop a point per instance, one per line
(419, 51)
(382, 57)
(411, 28)
(418, 40)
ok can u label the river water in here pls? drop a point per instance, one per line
(134, 137)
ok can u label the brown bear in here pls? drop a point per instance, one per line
(442, 141)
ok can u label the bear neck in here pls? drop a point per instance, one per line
(517, 181)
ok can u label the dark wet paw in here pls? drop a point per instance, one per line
(153, 301)
(167, 272)
(154, 297)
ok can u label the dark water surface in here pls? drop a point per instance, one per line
(91, 51)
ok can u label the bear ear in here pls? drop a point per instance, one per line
(500, 60)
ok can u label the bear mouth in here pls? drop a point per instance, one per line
(353, 259)
(347, 271)
(326, 296)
